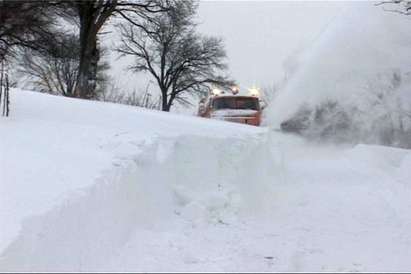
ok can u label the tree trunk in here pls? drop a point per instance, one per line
(171, 99)
(89, 55)
(1, 79)
(164, 105)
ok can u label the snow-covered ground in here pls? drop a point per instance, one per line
(88, 186)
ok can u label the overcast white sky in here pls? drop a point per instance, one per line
(259, 36)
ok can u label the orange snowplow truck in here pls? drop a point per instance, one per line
(232, 107)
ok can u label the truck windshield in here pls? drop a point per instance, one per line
(236, 103)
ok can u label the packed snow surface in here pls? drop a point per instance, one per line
(87, 186)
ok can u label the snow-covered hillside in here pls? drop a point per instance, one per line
(88, 186)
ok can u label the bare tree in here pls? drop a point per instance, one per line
(56, 69)
(28, 23)
(181, 61)
(24, 24)
(269, 93)
(91, 16)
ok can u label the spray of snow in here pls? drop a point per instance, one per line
(363, 42)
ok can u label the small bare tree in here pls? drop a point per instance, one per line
(181, 61)
(137, 98)
(56, 69)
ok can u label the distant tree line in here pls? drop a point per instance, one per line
(56, 43)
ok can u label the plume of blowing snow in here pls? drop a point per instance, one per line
(362, 44)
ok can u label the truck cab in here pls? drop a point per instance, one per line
(245, 109)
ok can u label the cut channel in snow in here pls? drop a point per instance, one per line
(168, 181)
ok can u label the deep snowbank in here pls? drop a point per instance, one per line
(188, 194)
(166, 182)
(53, 147)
